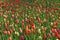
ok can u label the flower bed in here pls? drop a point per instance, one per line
(29, 20)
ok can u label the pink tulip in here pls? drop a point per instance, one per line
(22, 38)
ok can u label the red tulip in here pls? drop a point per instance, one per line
(17, 1)
(46, 10)
(56, 23)
(11, 0)
(27, 31)
(52, 7)
(12, 12)
(4, 7)
(39, 21)
(12, 28)
(8, 32)
(0, 3)
(58, 14)
(58, 36)
(10, 8)
(28, 20)
(54, 26)
(22, 24)
(55, 11)
(17, 21)
(55, 31)
(53, 34)
(57, 8)
(33, 25)
(12, 15)
(36, 4)
(11, 5)
(44, 36)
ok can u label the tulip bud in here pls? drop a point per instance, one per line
(39, 21)
(6, 25)
(26, 32)
(5, 32)
(40, 38)
(51, 23)
(8, 32)
(22, 38)
(17, 33)
(22, 22)
(39, 31)
(17, 21)
(44, 20)
(13, 28)
(5, 16)
(12, 15)
(49, 35)
(43, 28)
(4, 19)
(45, 10)
(54, 26)
(11, 19)
(20, 30)
(33, 25)
(9, 38)
(33, 30)
(58, 36)
(44, 36)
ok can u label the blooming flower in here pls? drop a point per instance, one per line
(22, 38)
(17, 33)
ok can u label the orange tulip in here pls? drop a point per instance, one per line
(9, 38)
(5, 32)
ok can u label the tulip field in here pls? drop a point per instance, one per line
(29, 19)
